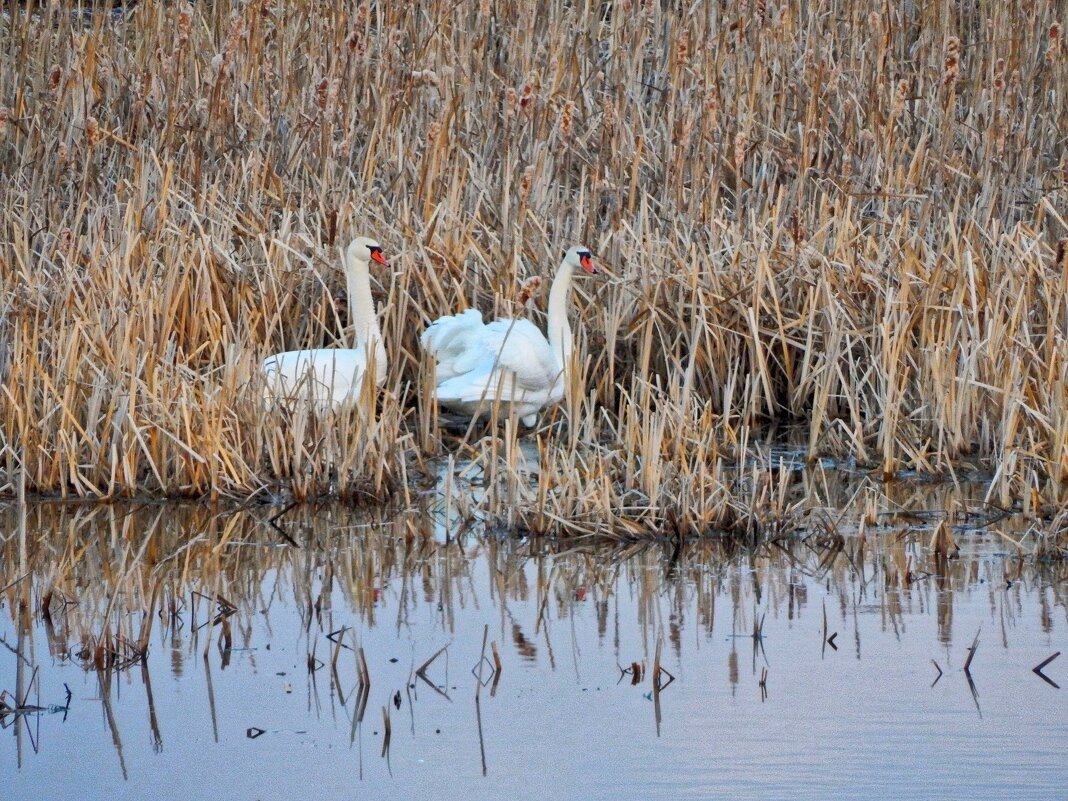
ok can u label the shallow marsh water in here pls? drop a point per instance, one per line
(860, 716)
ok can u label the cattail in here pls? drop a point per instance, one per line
(565, 118)
(1060, 261)
(525, 181)
(66, 242)
(680, 133)
(54, 77)
(321, 94)
(833, 80)
(951, 62)
(1054, 42)
(3, 122)
(609, 117)
(739, 151)
(511, 103)
(354, 42)
(999, 74)
(682, 50)
(875, 22)
(184, 24)
(484, 9)
(712, 102)
(527, 93)
(265, 8)
(762, 11)
(425, 77)
(92, 132)
(433, 133)
(528, 290)
(901, 94)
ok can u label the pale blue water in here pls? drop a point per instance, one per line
(859, 722)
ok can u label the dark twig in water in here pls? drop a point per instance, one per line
(971, 653)
(939, 676)
(1037, 670)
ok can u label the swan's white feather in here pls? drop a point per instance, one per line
(332, 375)
(448, 338)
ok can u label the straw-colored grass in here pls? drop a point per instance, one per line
(844, 214)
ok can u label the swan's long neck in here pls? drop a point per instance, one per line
(362, 310)
(559, 328)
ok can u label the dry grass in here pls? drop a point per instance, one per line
(811, 212)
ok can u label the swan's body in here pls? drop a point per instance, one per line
(334, 376)
(507, 362)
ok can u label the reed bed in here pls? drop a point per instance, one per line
(848, 215)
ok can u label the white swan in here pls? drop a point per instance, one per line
(334, 376)
(506, 361)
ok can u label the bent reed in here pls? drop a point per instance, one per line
(813, 213)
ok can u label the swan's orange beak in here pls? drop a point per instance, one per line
(377, 256)
(587, 264)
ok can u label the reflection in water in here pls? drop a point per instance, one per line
(195, 637)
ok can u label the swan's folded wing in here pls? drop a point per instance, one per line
(449, 338)
(488, 385)
(517, 347)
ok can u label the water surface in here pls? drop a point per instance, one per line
(863, 716)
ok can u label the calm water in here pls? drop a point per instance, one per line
(864, 718)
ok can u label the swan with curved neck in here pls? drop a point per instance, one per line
(506, 363)
(334, 376)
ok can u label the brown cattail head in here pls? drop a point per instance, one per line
(565, 118)
(712, 101)
(1054, 42)
(739, 151)
(425, 77)
(525, 181)
(609, 118)
(321, 93)
(511, 103)
(951, 62)
(528, 290)
(54, 77)
(682, 50)
(1060, 261)
(901, 94)
(92, 132)
(528, 92)
(184, 24)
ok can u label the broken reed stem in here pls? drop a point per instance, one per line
(481, 661)
(971, 653)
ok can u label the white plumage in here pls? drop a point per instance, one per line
(507, 362)
(334, 376)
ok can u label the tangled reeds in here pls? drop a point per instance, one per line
(850, 215)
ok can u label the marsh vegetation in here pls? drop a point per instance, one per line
(844, 215)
